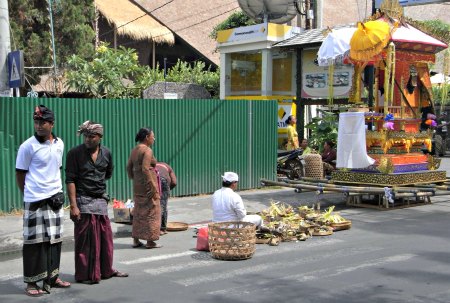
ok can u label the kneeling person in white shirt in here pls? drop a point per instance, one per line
(227, 205)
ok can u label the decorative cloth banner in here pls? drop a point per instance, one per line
(351, 146)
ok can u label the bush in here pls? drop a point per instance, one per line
(323, 128)
(116, 73)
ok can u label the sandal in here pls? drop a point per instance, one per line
(119, 274)
(139, 244)
(33, 291)
(154, 245)
(61, 284)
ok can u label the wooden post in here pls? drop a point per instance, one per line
(300, 105)
(153, 54)
(115, 37)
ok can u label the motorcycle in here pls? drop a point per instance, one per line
(290, 163)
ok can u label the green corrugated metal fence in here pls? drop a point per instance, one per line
(200, 139)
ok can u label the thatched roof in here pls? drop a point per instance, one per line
(192, 20)
(133, 22)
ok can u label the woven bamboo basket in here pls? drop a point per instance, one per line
(234, 240)
(341, 226)
(313, 166)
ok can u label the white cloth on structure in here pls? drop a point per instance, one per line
(351, 146)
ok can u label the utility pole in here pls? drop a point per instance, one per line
(5, 48)
(55, 67)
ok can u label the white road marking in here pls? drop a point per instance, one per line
(211, 261)
(159, 258)
(9, 277)
(274, 265)
(312, 275)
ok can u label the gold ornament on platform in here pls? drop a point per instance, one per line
(433, 162)
(386, 166)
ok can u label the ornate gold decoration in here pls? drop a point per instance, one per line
(389, 77)
(433, 162)
(380, 179)
(392, 8)
(386, 139)
(386, 166)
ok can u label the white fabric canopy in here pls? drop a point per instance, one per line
(351, 146)
(439, 79)
(411, 34)
(335, 46)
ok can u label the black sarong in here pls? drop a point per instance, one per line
(41, 263)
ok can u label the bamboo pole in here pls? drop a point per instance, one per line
(330, 187)
(378, 189)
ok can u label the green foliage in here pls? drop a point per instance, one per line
(438, 90)
(324, 128)
(30, 32)
(236, 19)
(116, 73)
(185, 73)
(436, 28)
(108, 74)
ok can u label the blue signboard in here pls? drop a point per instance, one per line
(16, 73)
(412, 2)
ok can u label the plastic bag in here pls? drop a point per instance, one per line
(129, 203)
(202, 239)
(118, 204)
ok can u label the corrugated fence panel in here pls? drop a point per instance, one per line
(200, 139)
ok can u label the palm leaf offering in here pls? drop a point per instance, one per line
(284, 222)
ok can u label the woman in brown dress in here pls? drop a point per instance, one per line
(147, 210)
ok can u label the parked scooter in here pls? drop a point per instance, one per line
(290, 163)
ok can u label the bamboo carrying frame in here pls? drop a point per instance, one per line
(313, 166)
(234, 240)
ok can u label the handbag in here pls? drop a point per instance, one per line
(56, 201)
(202, 239)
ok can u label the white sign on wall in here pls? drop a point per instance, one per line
(170, 96)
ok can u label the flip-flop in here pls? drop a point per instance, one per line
(153, 246)
(119, 274)
(61, 284)
(34, 291)
(140, 244)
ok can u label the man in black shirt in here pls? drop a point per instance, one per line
(88, 166)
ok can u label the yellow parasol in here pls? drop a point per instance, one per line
(369, 40)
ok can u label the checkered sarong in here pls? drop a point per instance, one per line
(41, 223)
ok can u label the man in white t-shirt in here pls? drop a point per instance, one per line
(38, 176)
(227, 205)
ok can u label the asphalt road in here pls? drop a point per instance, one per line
(399, 255)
